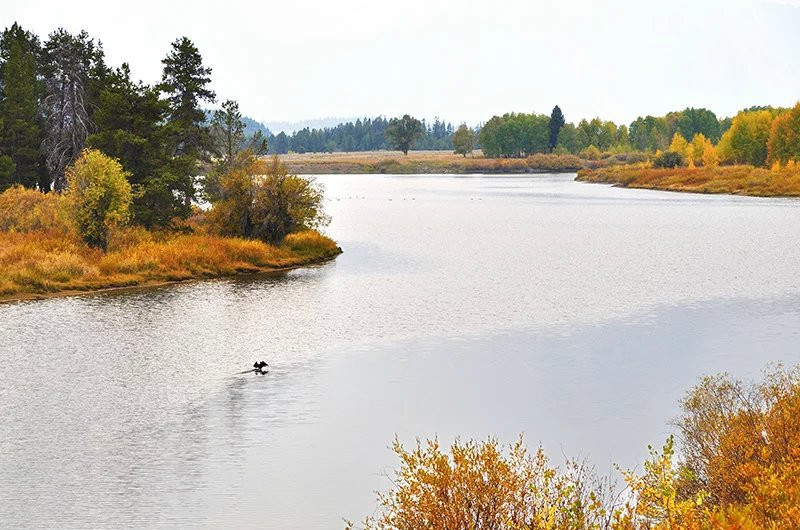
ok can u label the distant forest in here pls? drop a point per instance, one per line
(511, 135)
(368, 134)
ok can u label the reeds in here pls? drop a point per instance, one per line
(50, 261)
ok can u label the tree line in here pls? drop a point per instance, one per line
(58, 97)
(368, 134)
(121, 150)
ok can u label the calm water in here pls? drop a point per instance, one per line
(575, 313)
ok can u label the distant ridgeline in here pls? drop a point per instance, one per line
(367, 134)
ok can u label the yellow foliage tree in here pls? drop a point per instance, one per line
(680, 145)
(710, 157)
(746, 140)
(99, 194)
(697, 148)
(784, 137)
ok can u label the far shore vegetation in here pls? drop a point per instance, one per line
(106, 182)
(734, 465)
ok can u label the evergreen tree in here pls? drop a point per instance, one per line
(20, 132)
(231, 146)
(280, 144)
(130, 127)
(556, 123)
(185, 82)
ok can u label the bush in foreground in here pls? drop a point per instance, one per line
(99, 195)
(739, 469)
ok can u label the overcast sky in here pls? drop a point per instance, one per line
(461, 60)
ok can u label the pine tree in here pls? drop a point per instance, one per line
(556, 123)
(130, 127)
(20, 133)
(185, 82)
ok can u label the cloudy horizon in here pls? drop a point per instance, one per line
(463, 62)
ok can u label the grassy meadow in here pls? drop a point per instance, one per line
(422, 162)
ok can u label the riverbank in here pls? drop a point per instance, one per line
(46, 263)
(734, 180)
(429, 162)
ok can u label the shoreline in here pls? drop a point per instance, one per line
(257, 271)
(740, 181)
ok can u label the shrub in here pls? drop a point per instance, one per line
(100, 196)
(668, 159)
(739, 470)
(263, 201)
(26, 210)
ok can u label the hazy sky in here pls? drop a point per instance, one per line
(461, 60)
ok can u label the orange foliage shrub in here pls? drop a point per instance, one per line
(478, 485)
(26, 210)
(739, 470)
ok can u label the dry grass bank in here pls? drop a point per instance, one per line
(422, 162)
(738, 180)
(41, 262)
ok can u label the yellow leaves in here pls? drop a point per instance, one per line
(784, 137)
(99, 194)
(480, 485)
(739, 469)
(680, 145)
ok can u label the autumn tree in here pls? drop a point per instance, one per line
(261, 200)
(69, 63)
(463, 140)
(403, 132)
(483, 485)
(100, 196)
(20, 127)
(680, 145)
(184, 82)
(784, 138)
(710, 157)
(556, 123)
(697, 148)
(746, 140)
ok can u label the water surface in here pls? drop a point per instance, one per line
(575, 313)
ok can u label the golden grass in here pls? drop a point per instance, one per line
(739, 180)
(394, 162)
(39, 262)
(23, 210)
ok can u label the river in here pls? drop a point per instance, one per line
(577, 314)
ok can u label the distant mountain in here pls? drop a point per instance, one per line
(290, 127)
(251, 126)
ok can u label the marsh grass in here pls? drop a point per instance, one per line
(422, 162)
(739, 180)
(38, 262)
